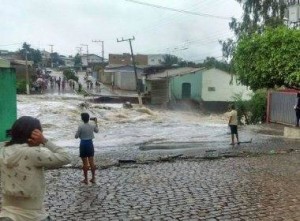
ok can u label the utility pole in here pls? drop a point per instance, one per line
(51, 49)
(134, 67)
(79, 50)
(98, 41)
(87, 53)
(27, 74)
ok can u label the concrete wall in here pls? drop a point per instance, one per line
(125, 80)
(216, 86)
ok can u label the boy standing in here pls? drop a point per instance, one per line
(85, 133)
(233, 122)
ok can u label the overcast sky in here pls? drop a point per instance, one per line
(67, 24)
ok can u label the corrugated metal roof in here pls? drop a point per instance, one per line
(173, 72)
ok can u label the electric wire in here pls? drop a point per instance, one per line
(179, 10)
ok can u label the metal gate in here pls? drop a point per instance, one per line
(281, 107)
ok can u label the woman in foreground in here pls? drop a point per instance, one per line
(22, 162)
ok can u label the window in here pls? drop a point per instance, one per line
(211, 89)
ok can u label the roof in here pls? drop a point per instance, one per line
(173, 72)
(116, 66)
(21, 62)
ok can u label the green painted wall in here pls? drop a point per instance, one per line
(195, 79)
(8, 101)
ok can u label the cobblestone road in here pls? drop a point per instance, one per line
(255, 188)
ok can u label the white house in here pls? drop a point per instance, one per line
(90, 59)
(155, 59)
(122, 76)
(219, 85)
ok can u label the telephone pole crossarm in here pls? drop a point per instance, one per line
(134, 67)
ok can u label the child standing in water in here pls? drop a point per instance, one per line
(85, 133)
(232, 123)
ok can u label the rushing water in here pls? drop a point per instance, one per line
(119, 127)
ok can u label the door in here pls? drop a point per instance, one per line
(186, 90)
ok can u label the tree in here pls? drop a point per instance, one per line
(56, 59)
(170, 60)
(212, 62)
(258, 15)
(32, 54)
(77, 60)
(269, 59)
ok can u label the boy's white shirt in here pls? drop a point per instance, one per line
(22, 178)
(233, 116)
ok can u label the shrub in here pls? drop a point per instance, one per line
(21, 86)
(69, 74)
(242, 107)
(258, 106)
(254, 110)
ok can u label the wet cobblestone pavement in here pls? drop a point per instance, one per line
(254, 188)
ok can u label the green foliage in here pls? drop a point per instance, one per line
(252, 111)
(242, 107)
(211, 62)
(258, 106)
(32, 54)
(170, 60)
(77, 61)
(21, 86)
(269, 59)
(257, 16)
(69, 74)
(293, 79)
(56, 59)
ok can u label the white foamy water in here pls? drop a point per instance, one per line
(119, 127)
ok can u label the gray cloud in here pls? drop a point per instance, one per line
(69, 23)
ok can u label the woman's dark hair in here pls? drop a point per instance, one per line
(85, 117)
(22, 129)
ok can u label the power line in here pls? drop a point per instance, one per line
(179, 10)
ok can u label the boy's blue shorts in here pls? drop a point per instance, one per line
(86, 148)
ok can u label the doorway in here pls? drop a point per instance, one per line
(186, 90)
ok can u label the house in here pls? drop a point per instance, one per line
(46, 58)
(221, 86)
(69, 61)
(20, 67)
(8, 101)
(90, 60)
(156, 59)
(125, 59)
(166, 86)
(4, 63)
(8, 55)
(122, 76)
(213, 88)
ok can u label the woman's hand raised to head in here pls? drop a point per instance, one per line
(37, 138)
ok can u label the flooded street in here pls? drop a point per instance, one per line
(265, 187)
(119, 127)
